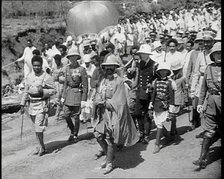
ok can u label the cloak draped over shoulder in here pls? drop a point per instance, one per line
(118, 118)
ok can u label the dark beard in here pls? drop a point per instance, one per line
(142, 64)
(110, 71)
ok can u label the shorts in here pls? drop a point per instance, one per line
(159, 118)
(39, 122)
(175, 109)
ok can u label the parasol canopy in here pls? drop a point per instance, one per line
(91, 17)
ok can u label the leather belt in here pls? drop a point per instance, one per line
(213, 92)
(36, 101)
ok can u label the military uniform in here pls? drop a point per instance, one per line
(210, 98)
(143, 96)
(75, 90)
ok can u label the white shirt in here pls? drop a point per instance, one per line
(185, 61)
(27, 56)
(158, 57)
(173, 58)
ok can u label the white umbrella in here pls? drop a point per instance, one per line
(91, 17)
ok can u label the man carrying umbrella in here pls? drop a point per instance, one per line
(27, 56)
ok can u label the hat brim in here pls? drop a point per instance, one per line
(157, 71)
(157, 47)
(70, 55)
(198, 39)
(175, 69)
(149, 53)
(110, 64)
(215, 50)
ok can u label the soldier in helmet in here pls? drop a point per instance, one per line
(210, 103)
(74, 94)
(203, 59)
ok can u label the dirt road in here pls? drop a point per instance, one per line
(68, 160)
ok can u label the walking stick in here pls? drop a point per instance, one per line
(21, 132)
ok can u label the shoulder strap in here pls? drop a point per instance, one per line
(212, 76)
(205, 58)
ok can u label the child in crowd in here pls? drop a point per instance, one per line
(179, 95)
(162, 100)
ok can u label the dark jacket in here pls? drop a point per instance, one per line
(163, 95)
(146, 75)
(76, 86)
(211, 87)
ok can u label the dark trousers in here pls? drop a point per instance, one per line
(144, 121)
(196, 121)
(71, 115)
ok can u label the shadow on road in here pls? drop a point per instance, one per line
(56, 146)
(130, 157)
(214, 154)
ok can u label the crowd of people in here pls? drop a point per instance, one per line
(144, 70)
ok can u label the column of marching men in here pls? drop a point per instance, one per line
(143, 71)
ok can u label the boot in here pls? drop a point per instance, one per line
(173, 129)
(147, 127)
(193, 122)
(70, 125)
(103, 145)
(197, 120)
(201, 162)
(110, 158)
(40, 137)
(141, 137)
(157, 143)
(76, 127)
(141, 128)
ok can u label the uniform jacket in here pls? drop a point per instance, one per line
(201, 63)
(37, 104)
(191, 65)
(211, 85)
(146, 76)
(75, 86)
(179, 92)
(163, 95)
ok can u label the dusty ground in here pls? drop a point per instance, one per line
(68, 160)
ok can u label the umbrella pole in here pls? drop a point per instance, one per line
(9, 64)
